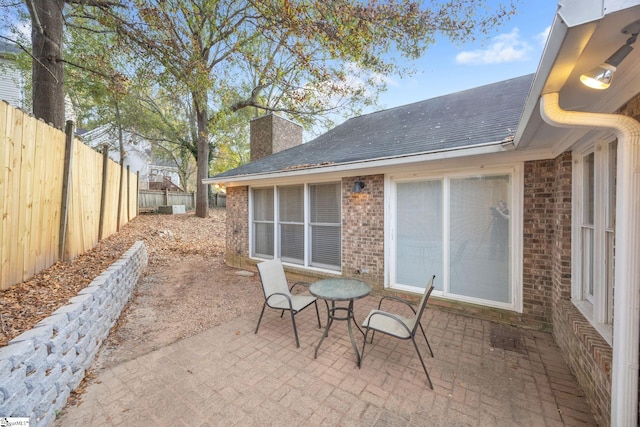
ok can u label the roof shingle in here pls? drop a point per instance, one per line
(482, 115)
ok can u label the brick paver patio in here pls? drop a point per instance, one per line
(484, 374)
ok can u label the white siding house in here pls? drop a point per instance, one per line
(11, 81)
(137, 155)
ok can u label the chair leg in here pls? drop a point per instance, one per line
(295, 331)
(260, 319)
(422, 361)
(317, 314)
(364, 344)
(425, 338)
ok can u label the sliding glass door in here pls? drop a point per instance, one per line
(458, 228)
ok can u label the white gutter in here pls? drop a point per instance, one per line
(626, 322)
(369, 166)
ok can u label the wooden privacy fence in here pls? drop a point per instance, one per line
(153, 199)
(58, 197)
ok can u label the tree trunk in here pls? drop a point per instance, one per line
(48, 69)
(122, 155)
(202, 202)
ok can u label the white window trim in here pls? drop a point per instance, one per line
(516, 171)
(597, 312)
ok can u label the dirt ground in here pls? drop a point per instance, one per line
(185, 289)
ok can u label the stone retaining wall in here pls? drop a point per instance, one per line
(41, 367)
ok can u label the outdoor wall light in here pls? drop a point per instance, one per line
(358, 186)
(601, 76)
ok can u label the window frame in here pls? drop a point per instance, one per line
(596, 308)
(516, 174)
(307, 226)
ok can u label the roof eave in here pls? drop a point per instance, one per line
(365, 166)
(574, 46)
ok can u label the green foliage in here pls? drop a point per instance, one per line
(188, 74)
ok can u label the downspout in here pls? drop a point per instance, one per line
(626, 321)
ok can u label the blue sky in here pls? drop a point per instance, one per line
(513, 49)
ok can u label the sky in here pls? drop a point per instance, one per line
(513, 49)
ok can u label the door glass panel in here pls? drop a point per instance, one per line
(419, 233)
(479, 245)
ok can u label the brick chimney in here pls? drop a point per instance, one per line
(271, 134)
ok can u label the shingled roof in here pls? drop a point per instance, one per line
(478, 116)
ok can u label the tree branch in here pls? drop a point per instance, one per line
(103, 4)
(34, 16)
(28, 52)
(64, 61)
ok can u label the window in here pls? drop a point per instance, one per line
(291, 223)
(325, 225)
(459, 227)
(305, 220)
(263, 223)
(594, 248)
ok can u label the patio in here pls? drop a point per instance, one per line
(484, 374)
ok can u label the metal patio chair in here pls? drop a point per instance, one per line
(277, 294)
(399, 326)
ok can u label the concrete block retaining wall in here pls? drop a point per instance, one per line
(41, 367)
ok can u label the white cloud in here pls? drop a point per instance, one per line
(503, 48)
(542, 37)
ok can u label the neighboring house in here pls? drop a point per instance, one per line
(11, 81)
(433, 174)
(12, 84)
(154, 174)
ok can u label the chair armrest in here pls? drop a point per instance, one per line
(281, 294)
(306, 284)
(389, 315)
(398, 299)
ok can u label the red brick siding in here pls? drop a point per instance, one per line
(588, 356)
(547, 278)
(538, 214)
(237, 226)
(363, 230)
(561, 249)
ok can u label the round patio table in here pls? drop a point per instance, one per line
(340, 290)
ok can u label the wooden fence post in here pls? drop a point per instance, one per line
(137, 193)
(66, 179)
(166, 197)
(128, 193)
(120, 191)
(103, 195)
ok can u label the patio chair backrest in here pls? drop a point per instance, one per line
(273, 277)
(423, 303)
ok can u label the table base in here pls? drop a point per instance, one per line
(348, 317)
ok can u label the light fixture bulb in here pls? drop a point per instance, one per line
(599, 77)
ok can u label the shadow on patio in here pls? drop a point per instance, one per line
(484, 374)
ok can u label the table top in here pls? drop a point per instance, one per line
(339, 289)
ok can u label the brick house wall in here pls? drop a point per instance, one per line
(237, 227)
(363, 231)
(547, 279)
(538, 213)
